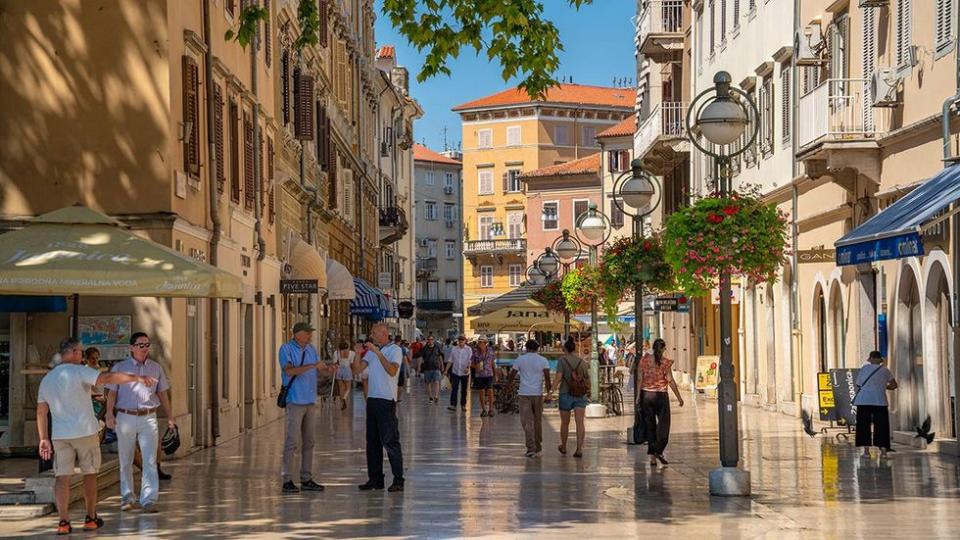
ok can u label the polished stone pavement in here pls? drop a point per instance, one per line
(467, 477)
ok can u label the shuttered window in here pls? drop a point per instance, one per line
(322, 27)
(786, 112)
(943, 25)
(332, 176)
(736, 14)
(869, 60)
(191, 115)
(234, 152)
(766, 116)
(271, 194)
(303, 106)
(323, 138)
(218, 136)
(263, 185)
(231, 7)
(267, 36)
(285, 85)
(904, 32)
(713, 27)
(723, 21)
(249, 195)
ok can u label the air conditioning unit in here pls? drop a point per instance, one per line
(884, 88)
(810, 44)
(424, 242)
(384, 149)
(874, 3)
(448, 190)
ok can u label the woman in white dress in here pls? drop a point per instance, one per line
(344, 374)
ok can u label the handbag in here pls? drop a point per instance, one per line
(171, 440)
(285, 389)
(577, 386)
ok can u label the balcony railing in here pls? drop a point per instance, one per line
(839, 109)
(516, 246)
(667, 120)
(392, 216)
(435, 305)
(660, 17)
(426, 266)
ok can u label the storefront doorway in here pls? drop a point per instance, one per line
(909, 351)
(940, 349)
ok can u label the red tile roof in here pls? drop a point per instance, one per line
(422, 153)
(387, 51)
(586, 165)
(627, 127)
(577, 94)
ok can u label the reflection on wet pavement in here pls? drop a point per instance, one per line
(467, 477)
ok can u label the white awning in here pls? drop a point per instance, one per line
(307, 263)
(339, 282)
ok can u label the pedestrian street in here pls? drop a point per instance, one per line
(468, 478)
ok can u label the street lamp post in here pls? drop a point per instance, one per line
(567, 249)
(635, 189)
(722, 113)
(593, 229)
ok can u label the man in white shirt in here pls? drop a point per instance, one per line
(132, 411)
(383, 428)
(458, 369)
(65, 393)
(534, 371)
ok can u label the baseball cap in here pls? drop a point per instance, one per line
(302, 327)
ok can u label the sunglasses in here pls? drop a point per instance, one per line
(142, 345)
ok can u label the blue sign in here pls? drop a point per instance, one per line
(882, 334)
(895, 247)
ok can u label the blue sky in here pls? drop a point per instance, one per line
(598, 43)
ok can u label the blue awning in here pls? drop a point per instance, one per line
(370, 302)
(32, 304)
(896, 231)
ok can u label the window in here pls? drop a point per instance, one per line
(231, 7)
(511, 181)
(723, 21)
(838, 41)
(448, 180)
(430, 210)
(191, 117)
(513, 135)
(448, 211)
(766, 116)
(713, 27)
(485, 177)
(450, 249)
(904, 31)
(619, 160)
(485, 227)
(515, 224)
(869, 57)
(234, 125)
(551, 216)
(736, 15)
(218, 142)
(616, 216)
(514, 271)
(431, 248)
(785, 109)
(429, 178)
(452, 291)
(486, 276)
(943, 26)
(589, 136)
(267, 40)
(580, 207)
(432, 290)
(700, 40)
(248, 179)
(560, 136)
(485, 138)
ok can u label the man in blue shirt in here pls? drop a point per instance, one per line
(299, 365)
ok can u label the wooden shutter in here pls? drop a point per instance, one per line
(785, 110)
(249, 196)
(285, 85)
(271, 206)
(191, 115)
(324, 11)
(322, 143)
(218, 154)
(904, 28)
(736, 14)
(506, 182)
(303, 106)
(869, 61)
(267, 36)
(332, 176)
(234, 152)
(263, 185)
(943, 25)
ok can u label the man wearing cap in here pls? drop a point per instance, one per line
(299, 364)
(458, 368)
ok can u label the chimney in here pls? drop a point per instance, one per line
(400, 78)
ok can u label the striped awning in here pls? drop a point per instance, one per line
(370, 302)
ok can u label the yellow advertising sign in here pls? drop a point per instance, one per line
(708, 372)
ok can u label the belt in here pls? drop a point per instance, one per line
(138, 412)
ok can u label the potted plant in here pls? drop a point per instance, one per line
(583, 285)
(551, 296)
(631, 263)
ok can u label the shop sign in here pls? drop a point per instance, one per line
(825, 402)
(678, 304)
(298, 286)
(385, 280)
(843, 382)
(807, 256)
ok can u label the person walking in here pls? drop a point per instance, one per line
(64, 394)
(431, 367)
(91, 359)
(484, 364)
(344, 375)
(132, 412)
(404, 378)
(534, 372)
(299, 365)
(382, 358)
(573, 381)
(458, 369)
(873, 411)
(656, 374)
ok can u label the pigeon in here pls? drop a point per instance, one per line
(923, 432)
(807, 423)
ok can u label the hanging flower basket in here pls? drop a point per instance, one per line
(551, 296)
(737, 233)
(630, 263)
(581, 286)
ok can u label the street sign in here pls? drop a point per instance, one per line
(298, 286)
(825, 404)
(678, 304)
(385, 280)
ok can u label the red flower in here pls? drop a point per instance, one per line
(647, 245)
(731, 210)
(716, 219)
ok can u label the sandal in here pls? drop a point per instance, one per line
(578, 454)
(483, 413)
(64, 528)
(661, 459)
(562, 450)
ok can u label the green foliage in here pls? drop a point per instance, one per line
(551, 296)
(308, 16)
(631, 263)
(513, 32)
(582, 286)
(737, 233)
(247, 23)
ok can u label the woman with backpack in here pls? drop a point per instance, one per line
(655, 376)
(573, 375)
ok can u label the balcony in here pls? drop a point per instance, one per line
(660, 30)
(838, 128)
(661, 140)
(426, 266)
(393, 224)
(495, 248)
(435, 306)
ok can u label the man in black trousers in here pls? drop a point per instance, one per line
(382, 358)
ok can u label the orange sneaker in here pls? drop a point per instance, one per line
(92, 523)
(64, 527)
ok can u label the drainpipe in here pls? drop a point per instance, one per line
(214, 203)
(258, 224)
(795, 360)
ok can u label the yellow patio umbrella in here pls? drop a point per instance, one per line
(524, 316)
(78, 251)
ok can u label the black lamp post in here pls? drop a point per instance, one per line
(722, 114)
(593, 229)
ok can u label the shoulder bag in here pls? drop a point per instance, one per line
(285, 389)
(578, 385)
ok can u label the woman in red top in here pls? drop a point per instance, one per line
(655, 376)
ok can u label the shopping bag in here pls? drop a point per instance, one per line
(445, 384)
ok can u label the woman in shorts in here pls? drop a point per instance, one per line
(485, 374)
(344, 374)
(571, 363)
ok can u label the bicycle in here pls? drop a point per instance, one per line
(612, 397)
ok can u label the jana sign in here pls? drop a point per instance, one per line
(298, 286)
